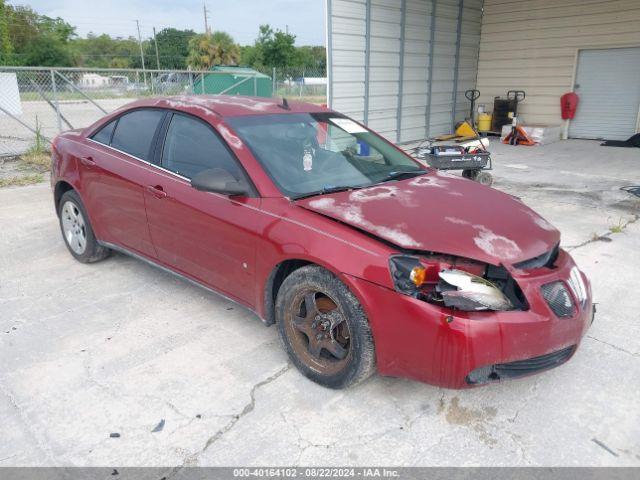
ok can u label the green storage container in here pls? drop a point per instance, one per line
(228, 80)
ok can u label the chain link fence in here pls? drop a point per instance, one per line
(38, 103)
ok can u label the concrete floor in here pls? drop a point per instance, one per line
(118, 346)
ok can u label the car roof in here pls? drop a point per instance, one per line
(228, 105)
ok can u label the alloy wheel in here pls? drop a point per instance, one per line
(318, 332)
(74, 227)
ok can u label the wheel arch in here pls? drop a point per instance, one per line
(61, 187)
(274, 280)
(276, 276)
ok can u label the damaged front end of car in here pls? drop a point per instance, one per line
(456, 283)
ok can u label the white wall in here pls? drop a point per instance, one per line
(385, 34)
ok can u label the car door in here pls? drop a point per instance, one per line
(115, 171)
(207, 236)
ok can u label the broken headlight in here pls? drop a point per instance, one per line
(471, 292)
(452, 282)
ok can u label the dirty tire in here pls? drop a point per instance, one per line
(471, 174)
(352, 330)
(484, 178)
(92, 251)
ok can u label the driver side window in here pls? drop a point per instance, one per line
(191, 146)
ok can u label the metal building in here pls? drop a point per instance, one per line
(401, 65)
(548, 48)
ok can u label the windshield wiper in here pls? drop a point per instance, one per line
(327, 189)
(405, 173)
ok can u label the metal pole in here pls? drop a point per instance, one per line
(51, 104)
(273, 81)
(403, 25)
(81, 92)
(206, 20)
(55, 99)
(457, 65)
(432, 39)
(255, 86)
(367, 59)
(155, 40)
(237, 84)
(32, 130)
(329, 54)
(190, 79)
(144, 74)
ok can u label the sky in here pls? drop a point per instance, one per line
(240, 18)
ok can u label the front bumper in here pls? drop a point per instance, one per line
(444, 347)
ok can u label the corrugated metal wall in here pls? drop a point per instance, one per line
(400, 65)
(533, 45)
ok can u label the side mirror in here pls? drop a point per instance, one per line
(218, 180)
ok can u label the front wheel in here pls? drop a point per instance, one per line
(324, 328)
(76, 230)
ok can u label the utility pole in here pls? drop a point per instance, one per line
(206, 19)
(155, 40)
(141, 52)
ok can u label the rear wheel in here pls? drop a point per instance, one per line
(478, 175)
(76, 230)
(324, 329)
(484, 178)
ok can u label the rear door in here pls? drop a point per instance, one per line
(608, 84)
(115, 172)
(210, 237)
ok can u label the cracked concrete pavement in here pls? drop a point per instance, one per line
(115, 347)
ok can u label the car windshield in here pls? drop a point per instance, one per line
(313, 153)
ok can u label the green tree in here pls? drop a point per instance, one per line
(6, 48)
(313, 57)
(173, 48)
(279, 49)
(207, 50)
(273, 48)
(22, 26)
(47, 51)
(103, 51)
(251, 55)
(37, 39)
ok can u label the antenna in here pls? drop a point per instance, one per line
(284, 104)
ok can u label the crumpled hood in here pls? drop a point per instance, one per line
(445, 214)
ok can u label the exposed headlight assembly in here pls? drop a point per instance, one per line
(472, 292)
(448, 282)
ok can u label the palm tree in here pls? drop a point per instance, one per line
(207, 50)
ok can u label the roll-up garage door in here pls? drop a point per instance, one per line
(608, 84)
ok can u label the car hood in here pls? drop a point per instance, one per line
(442, 213)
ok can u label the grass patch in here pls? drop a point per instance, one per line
(37, 157)
(21, 181)
(618, 227)
(38, 160)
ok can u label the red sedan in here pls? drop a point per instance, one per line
(365, 259)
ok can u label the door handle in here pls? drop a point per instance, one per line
(88, 161)
(157, 191)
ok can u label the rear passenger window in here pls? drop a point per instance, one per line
(134, 132)
(191, 147)
(104, 134)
